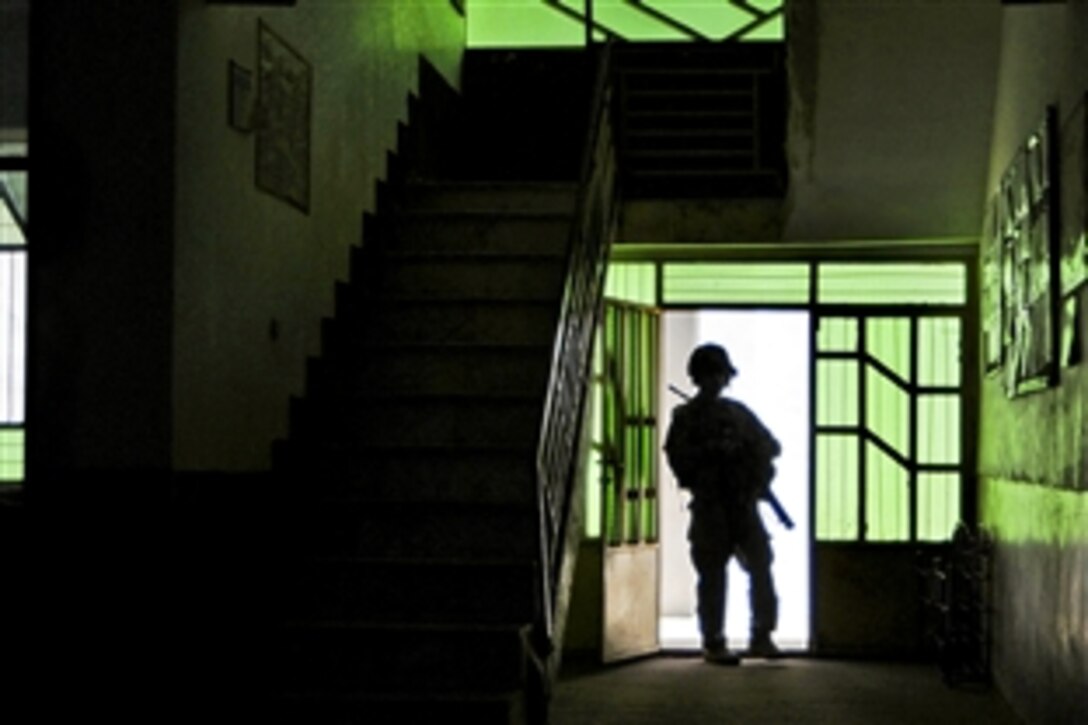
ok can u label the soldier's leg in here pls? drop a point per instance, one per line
(756, 556)
(710, 588)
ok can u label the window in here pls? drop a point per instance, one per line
(14, 37)
(562, 23)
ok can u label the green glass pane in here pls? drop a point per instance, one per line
(887, 339)
(631, 23)
(939, 351)
(694, 283)
(594, 469)
(598, 350)
(632, 282)
(836, 392)
(649, 503)
(836, 488)
(520, 24)
(648, 378)
(893, 283)
(613, 528)
(767, 6)
(713, 20)
(592, 528)
(12, 455)
(13, 208)
(938, 505)
(887, 411)
(772, 29)
(13, 148)
(837, 334)
(887, 498)
(939, 429)
(634, 486)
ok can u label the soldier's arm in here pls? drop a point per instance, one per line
(681, 451)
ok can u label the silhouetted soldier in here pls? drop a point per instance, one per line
(720, 451)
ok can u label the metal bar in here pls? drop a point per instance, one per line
(863, 402)
(912, 432)
(668, 20)
(558, 6)
(14, 163)
(955, 249)
(890, 450)
(895, 378)
(813, 461)
(622, 483)
(589, 23)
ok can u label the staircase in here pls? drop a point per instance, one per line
(412, 584)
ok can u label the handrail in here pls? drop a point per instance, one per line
(561, 424)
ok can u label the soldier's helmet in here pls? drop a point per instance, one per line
(707, 360)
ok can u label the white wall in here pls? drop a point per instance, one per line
(244, 258)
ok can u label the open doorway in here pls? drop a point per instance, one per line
(771, 350)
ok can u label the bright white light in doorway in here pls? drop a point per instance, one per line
(771, 351)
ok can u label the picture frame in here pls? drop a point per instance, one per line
(1028, 227)
(284, 91)
(993, 348)
(1074, 199)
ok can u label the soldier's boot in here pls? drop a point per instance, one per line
(761, 645)
(716, 653)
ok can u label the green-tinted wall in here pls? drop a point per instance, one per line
(253, 275)
(175, 303)
(1033, 482)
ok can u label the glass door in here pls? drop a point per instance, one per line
(888, 466)
(627, 447)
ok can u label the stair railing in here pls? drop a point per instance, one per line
(561, 427)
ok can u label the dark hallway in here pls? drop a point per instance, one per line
(306, 367)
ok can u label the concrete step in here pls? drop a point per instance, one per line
(416, 591)
(434, 370)
(372, 474)
(485, 322)
(438, 276)
(489, 197)
(374, 659)
(405, 422)
(354, 528)
(440, 231)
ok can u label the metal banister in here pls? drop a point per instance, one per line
(591, 234)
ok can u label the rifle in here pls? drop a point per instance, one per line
(768, 494)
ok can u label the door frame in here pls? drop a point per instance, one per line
(964, 252)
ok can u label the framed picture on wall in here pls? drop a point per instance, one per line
(284, 88)
(1029, 227)
(1074, 191)
(992, 299)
